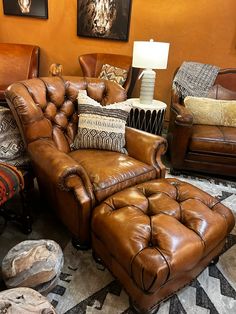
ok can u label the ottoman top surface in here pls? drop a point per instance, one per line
(160, 228)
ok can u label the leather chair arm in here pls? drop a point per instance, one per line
(61, 169)
(183, 115)
(179, 134)
(147, 148)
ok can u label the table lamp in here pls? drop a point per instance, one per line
(149, 55)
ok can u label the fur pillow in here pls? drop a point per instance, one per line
(112, 73)
(212, 111)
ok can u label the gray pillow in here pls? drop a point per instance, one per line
(12, 150)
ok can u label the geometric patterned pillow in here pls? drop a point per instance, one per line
(112, 73)
(101, 128)
(12, 149)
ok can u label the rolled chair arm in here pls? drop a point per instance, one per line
(183, 115)
(147, 148)
(60, 168)
(179, 134)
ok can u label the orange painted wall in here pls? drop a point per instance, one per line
(202, 30)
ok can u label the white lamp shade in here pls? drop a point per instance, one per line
(150, 55)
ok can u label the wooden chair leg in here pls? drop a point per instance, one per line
(23, 218)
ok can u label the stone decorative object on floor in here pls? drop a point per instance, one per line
(33, 263)
(23, 301)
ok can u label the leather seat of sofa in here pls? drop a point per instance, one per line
(213, 140)
(110, 172)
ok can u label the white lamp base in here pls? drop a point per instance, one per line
(147, 86)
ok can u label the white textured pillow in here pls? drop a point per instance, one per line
(212, 111)
(84, 99)
(101, 128)
(123, 105)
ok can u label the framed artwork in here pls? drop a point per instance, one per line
(28, 8)
(106, 19)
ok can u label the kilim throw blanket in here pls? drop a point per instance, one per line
(195, 79)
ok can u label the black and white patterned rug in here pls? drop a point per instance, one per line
(85, 287)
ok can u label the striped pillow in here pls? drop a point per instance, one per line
(101, 128)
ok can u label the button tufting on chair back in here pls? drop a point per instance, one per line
(47, 106)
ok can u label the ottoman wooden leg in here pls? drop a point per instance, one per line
(25, 218)
(136, 310)
(80, 246)
(215, 260)
(97, 259)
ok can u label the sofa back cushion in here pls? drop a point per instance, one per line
(227, 78)
(47, 107)
(219, 92)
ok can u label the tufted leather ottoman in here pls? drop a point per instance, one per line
(158, 236)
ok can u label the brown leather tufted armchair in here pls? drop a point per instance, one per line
(91, 65)
(76, 181)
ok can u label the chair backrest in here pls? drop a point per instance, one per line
(17, 62)
(47, 107)
(227, 78)
(91, 64)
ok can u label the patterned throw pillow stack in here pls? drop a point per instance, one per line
(12, 150)
(101, 127)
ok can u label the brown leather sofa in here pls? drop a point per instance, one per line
(75, 181)
(207, 149)
(17, 62)
(91, 65)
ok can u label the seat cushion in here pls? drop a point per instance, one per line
(213, 140)
(111, 172)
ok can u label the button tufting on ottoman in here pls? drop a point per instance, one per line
(158, 236)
